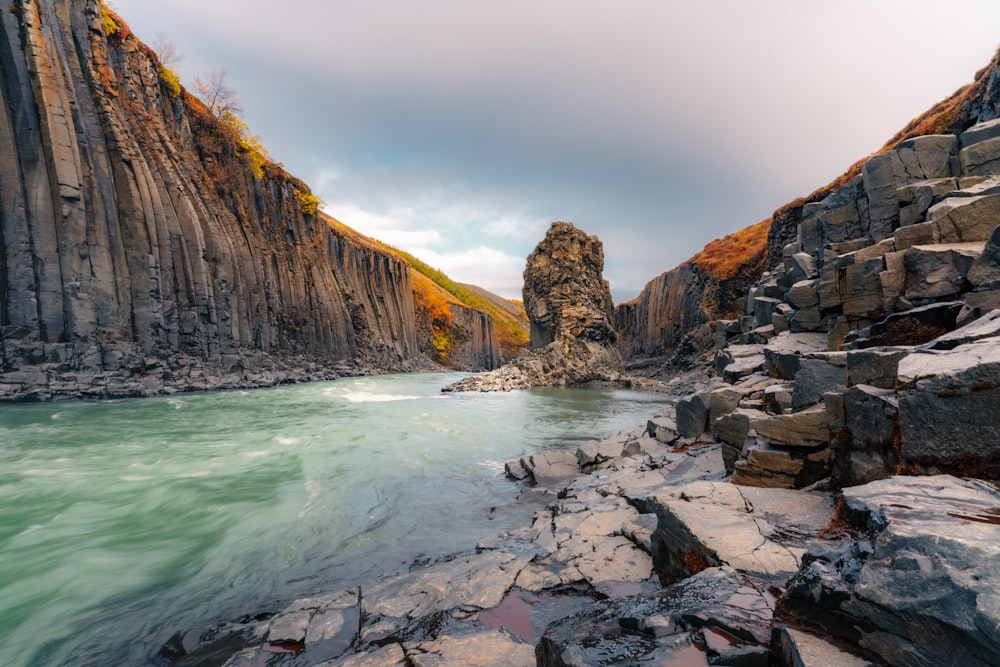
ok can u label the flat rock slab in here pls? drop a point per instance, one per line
(801, 649)
(477, 581)
(726, 613)
(762, 532)
(484, 649)
(919, 586)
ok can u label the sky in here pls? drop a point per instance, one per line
(458, 130)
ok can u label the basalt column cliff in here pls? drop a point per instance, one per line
(142, 248)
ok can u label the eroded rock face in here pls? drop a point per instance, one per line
(569, 308)
(565, 293)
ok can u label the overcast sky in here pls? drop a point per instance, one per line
(459, 129)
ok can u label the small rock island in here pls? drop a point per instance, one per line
(569, 307)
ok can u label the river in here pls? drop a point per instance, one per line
(122, 522)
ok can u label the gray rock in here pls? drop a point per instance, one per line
(480, 581)
(816, 377)
(804, 294)
(938, 271)
(489, 649)
(948, 407)
(551, 469)
(802, 649)
(918, 587)
(761, 532)
(801, 429)
(980, 132)
(391, 655)
(768, 466)
(778, 399)
(985, 271)
(692, 414)
(876, 367)
(981, 158)
(719, 615)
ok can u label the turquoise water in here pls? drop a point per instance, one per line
(123, 522)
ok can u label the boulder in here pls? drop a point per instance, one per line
(692, 414)
(569, 308)
(801, 429)
(818, 376)
(948, 407)
(877, 367)
(549, 469)
(867, 447)
(985, 271)
(914, 584)
(937, 271)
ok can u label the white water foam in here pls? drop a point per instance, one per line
(368, 397)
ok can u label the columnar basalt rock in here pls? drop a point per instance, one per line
(139, 250)
(568, 303)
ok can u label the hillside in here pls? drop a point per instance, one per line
(510, 324)
(666, 316)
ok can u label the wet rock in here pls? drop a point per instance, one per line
(719, 615)
(489, 649)
(547, 469)
(477, 581)
(917, 587)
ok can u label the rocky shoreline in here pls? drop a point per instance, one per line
(64, 371)
(641, 549)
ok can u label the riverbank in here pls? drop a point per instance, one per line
(640, 548)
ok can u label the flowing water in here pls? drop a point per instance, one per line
(123, 522)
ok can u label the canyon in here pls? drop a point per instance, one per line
(817, 489)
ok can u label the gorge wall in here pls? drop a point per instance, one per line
(142, 249)
(674, 309)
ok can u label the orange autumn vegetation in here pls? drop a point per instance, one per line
(724, 258)
(432, 300)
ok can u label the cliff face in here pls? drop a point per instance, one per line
(134, 235)
(675, 304)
